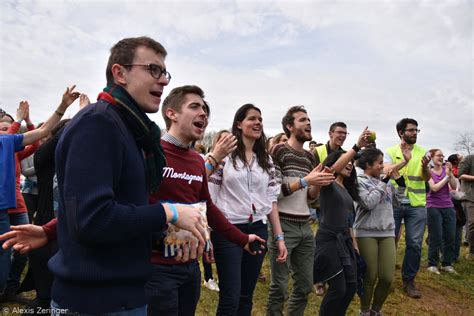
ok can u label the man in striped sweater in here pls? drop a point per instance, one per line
(296, 170)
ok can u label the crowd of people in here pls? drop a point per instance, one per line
(123, 211)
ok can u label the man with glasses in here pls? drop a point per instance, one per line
(108, 161)
(413, 166)
(337, 136)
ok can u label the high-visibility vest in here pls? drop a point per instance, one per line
(412, 173)
(322, 152)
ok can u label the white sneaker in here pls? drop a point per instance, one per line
(449, 269)
(211, 285)
(433, 269)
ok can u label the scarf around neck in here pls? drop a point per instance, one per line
(146, 133)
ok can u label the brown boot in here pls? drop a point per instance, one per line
(410, 288)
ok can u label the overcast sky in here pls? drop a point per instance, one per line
(361, 62)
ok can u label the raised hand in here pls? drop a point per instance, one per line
(425, 161)
(406, 152)
(225, 145)
(394, 174)
(84, 101)
(320, 176)
(69, 97)
(363, 140)
(22, 111)
(449, 169)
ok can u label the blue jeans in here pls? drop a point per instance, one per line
(415, 221)
(441, 230)
(174, 289)
(238, 271)
(56, 310)
(5, 259)
(19, 260)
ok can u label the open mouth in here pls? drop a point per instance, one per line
(200, 124)
(156, 93)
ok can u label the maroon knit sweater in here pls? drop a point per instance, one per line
(185, 181)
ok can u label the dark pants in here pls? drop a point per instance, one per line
(43, 278)
(441, 230)
(457, 242)
(338, 297)
(238, 271)
(174, 289)
(207, 269)
(31, 201)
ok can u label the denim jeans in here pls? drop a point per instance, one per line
(19, 260)
(441, 230)
(174, 289)
(56, 310)
(5, 259)
(415, 221)
(237, 271)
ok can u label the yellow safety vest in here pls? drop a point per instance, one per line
(412, 173)
(322, 152)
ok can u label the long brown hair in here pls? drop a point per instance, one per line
(259, 147)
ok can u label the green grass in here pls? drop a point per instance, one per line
(443, 294)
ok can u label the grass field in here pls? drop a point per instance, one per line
(443, 294)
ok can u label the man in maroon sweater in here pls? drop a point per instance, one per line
(174, 288)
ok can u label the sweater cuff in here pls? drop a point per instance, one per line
(50, 229)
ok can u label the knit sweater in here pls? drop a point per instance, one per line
(290, 166)
(374, 209)
(185, 181)
(104, 219)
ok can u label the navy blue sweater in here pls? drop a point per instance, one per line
(104, 220)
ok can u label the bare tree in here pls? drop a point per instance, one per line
(465, 143)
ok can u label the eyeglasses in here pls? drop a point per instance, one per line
(412, 130)
(155, 70)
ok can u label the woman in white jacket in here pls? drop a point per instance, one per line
(245, 189)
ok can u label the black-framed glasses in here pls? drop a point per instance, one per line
(155, 70)
(412, 130)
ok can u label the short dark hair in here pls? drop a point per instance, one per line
(337, 124)
(312, 142)
(368, 157)
(123, 52)
(402, 124)
(350, 183)
(454, 159)
(289, 119)
(175, 99)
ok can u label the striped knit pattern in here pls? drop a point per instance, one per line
(291, 163)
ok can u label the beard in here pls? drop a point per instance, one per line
(409, 140)
(301, 137)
